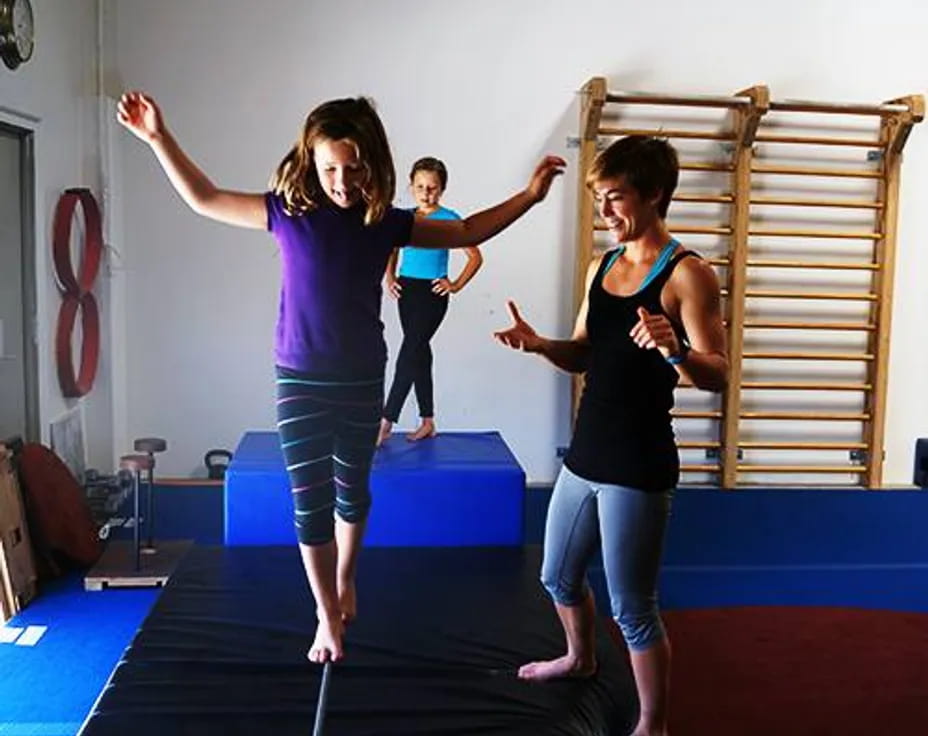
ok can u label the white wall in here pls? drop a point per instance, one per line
(488, 87)
(54, 93)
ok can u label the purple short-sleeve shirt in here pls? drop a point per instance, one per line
(329, 320)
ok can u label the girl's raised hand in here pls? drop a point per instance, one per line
(139, 113)
(547, 169)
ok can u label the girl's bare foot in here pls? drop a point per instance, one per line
(566, 666)
(347, 601)
(386, 429)
(424, 431)
(327, 646)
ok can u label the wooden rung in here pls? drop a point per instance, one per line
(771, 325)
(709, 198)
(797, 202)
(686, 414)
(815, 265)
(802, 171)
(836, 295)
(816, 416)
(806, 265)
(819, 140)
(803, 445)
(701, 229)
(793, 386)
(664, 133)
(837, 108)
(807, 356)
(725, 230)
(802, 469)
(698, 445)
(804, 386)
(699, 468)
(789, 233)
(647, 98)
(700, 166)
(860, 204)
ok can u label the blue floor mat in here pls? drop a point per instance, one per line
(47, 689)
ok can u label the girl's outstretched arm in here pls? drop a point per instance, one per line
(483, 225)
(139, 113)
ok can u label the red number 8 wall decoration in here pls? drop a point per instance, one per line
(76, 292)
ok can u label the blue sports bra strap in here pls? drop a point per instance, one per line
(610, 259)
(665, 255)
(663, 258)
(661, 261)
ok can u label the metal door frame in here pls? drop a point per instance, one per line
(26, 137)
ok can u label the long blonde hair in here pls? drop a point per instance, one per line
(353, 119)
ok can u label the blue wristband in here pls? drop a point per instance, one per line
(679, 357)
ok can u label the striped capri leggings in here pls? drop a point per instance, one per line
(328, 433)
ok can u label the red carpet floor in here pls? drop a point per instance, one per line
(759, 671)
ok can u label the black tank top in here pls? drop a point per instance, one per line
(623, 433)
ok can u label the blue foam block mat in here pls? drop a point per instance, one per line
(457, 489)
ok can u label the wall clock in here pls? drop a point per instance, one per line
(17, 32)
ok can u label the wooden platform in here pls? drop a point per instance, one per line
(116, 567)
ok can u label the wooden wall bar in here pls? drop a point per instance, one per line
(782, 177)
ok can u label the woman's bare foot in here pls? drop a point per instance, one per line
(347, 601)
(562, 667)
(327, 646)
(424, 431)
(643, 729)
(386, 429)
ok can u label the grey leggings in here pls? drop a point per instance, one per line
(630, 525)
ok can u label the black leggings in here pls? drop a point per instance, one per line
(421, 312)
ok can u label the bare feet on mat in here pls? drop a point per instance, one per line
(553, 669)
(386, 429)
(327, 646)
(424, 431)
(347, 601)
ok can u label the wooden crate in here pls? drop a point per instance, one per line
(17, 567)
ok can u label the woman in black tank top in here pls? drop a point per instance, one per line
(651, 316)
